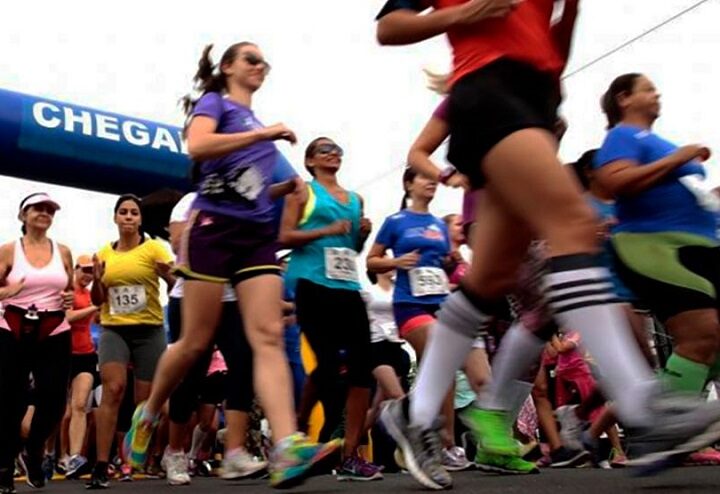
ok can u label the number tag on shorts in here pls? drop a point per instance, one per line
(341, 264)
(127, 299)
(428, 281)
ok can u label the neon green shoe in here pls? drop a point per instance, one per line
(513, 465)
(492, 431)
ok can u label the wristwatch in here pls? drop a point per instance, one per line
(446, 173)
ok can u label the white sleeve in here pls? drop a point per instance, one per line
(181, 211)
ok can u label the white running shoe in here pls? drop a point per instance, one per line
(239, 464)
(176, 468)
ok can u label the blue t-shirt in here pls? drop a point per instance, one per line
(667, 206)
(407, 231)
(236, 184)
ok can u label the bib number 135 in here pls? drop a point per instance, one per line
(127, 299)
(341, 264)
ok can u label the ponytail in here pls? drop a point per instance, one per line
(404, 202)
(209, 77)
(407, 179)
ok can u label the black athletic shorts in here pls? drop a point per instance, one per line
(493, 102)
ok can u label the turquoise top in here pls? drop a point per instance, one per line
(328, 261)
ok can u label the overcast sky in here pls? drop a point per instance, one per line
(329, 77)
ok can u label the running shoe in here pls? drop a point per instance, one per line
(455, 460)
(492, 431)
(176, 467)
(617, 459)
(137, 439)
(125, 473)
(571, 427)
(568, 457)
(154, 468)
(679, 425)
(99, 478)
(707, 456)
(199, 468)
(357, 468)
(504, 464)
(75, 466)
(421, 448)
(294, 458)
(238, 464)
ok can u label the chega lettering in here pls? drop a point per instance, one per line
(111, 128)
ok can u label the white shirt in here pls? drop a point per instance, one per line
(380, 313)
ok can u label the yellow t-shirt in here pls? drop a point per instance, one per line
(131, 284)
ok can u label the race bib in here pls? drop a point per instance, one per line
(341, 264)
(128, 299)
(428, 281)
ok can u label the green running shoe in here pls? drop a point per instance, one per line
(511, 464)
(492, 431)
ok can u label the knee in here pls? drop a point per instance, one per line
(269, 337)
(113, 392)
(540, 391)
(191, 350)
(704, 344)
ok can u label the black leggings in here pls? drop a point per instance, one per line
(49, 363)
(230, 339)
(335, 323)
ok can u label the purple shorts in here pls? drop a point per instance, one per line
(224, 249)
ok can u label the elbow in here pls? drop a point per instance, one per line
(288, 240)
(386, 35)
(196, 152)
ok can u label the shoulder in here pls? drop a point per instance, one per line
(64, 251)
(7, 251)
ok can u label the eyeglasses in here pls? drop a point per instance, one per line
(254, 61)
(327, 149)
(85, 269)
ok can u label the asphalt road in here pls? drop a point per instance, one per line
(583, 481)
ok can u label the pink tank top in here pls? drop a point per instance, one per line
(43, 286)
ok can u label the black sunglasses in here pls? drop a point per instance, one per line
(85, 269)
(254, 61)
(327, 149)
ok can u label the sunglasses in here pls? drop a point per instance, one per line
(253, 60)
(327, 149)
(85, 269)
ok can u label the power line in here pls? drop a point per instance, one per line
(582, 68)
(635, 38)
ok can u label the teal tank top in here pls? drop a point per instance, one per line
(329, 261)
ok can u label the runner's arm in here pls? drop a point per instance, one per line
(204, 143)
(406, 26)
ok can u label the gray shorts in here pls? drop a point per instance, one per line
(142, 345)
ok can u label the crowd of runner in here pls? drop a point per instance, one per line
(565, 316)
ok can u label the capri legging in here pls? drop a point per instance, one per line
(230, 339)
(336, 325)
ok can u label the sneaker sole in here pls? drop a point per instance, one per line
(175, 483)
(249, 474)
(575, 461)
(410, 463)
(353, 478)
(659, 461)
(504, 471)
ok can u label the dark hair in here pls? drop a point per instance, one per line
(22, 208)
(156, 209)
(310, 152)
(623, 84)
(582, 166)
(408, 176)
(138, 202)
(209, 77)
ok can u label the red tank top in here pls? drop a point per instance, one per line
(81, 339)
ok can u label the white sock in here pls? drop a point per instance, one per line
(198, 438)
(450, 342)
(519, 350)
(581, 296)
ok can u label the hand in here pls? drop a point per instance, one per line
(280, 132)
(68, 299)
(458, 181)
(12, 289)
(478, 10)
(98, 268)
(456, 256)
(408, 261)
(692, 152)
(162, 269)
(365, 227)
(340, 227)
(605, 228)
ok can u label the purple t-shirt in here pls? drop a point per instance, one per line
(236, 184)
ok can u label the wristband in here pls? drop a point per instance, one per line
(445, 175)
